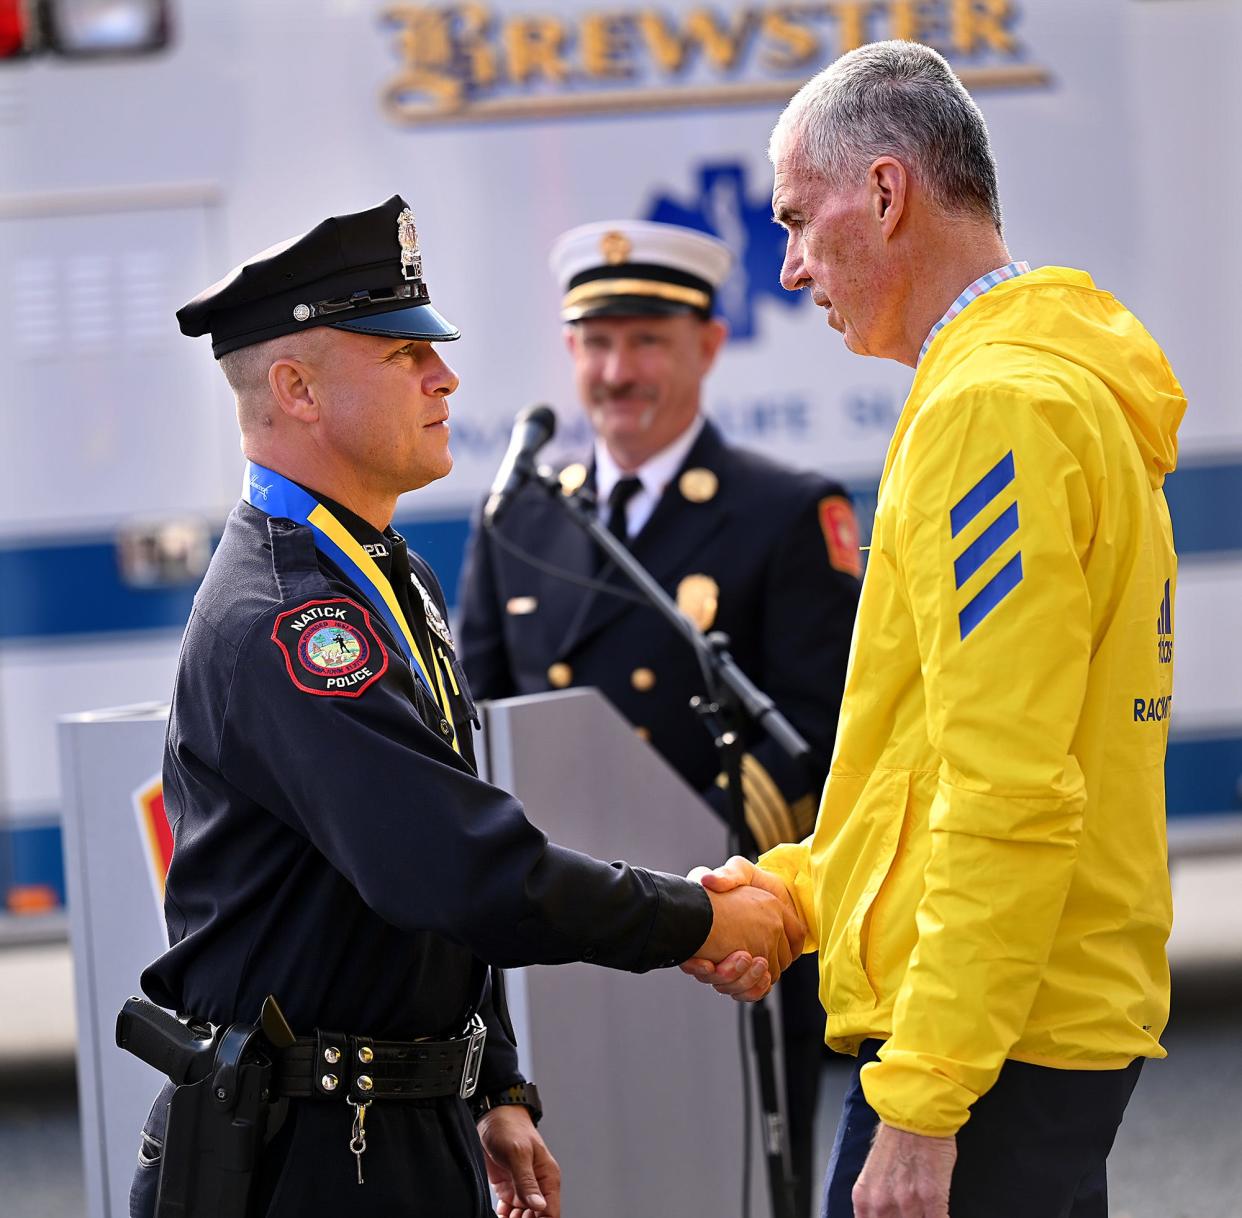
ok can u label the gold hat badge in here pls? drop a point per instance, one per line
(615, 247)
(407, 236)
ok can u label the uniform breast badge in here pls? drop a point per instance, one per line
(698, 597)
(435, 620)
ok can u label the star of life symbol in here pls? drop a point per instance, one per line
(724, 207)
(407, 235)
(258, 487)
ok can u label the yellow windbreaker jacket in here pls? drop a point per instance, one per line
(988, 878)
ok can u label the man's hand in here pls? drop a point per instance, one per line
(907, 1175)
(521, 1169)
(733, 959)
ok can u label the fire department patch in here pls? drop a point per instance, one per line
(330, 648)
(836, 518)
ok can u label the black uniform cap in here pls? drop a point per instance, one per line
(361, 272)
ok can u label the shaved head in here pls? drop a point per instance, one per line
(246, 371)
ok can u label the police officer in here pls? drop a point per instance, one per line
(760, 551)
(333, 845)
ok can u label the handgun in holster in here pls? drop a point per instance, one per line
(221, 1112)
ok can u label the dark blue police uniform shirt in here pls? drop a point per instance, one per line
(335, 851)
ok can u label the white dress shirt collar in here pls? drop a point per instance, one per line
(655, 474)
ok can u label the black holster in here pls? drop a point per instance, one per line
(221, 1112)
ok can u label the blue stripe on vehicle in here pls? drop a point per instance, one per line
(60, 590)
(986, 544)
(71, 587)
(31, 856)
(981, 494)
(991, 594)
(1204, 774)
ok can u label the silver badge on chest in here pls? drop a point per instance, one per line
(435, 620)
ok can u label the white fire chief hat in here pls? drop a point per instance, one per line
(629, 268)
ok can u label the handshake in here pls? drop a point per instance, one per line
(756, 933)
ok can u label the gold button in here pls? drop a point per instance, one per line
(572, 477)
(364, 1082)
(698, 485)
(519, 606)
(560, 675)
(365, 1055)
(329, 1082)
(722, 781)
(642, 733)
(642, 679)
(331, 1055)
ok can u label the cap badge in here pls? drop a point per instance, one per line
(407, 235)
(615, 247)
(698, 597)
(698, 485)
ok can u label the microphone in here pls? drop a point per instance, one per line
(532, 429)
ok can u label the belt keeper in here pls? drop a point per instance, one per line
(362, 1055)
(333, 1070)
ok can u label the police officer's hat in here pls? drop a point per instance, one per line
(360, 272)
(626, 268)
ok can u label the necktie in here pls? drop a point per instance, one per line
(622, 493)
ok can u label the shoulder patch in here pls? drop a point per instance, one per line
(840, 526)
(330, 648)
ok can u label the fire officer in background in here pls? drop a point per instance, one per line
(747, 546)
(333, 845)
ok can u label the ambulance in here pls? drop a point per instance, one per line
(148, 145)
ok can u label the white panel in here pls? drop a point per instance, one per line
(1111, 166)
(123, 417)
(38, 684)
(1207, 674)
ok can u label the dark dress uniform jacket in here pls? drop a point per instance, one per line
(335, 851)
(789, 614)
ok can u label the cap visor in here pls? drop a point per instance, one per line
(421, 322)
(627, 306)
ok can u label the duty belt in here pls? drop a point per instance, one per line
(331, 1064)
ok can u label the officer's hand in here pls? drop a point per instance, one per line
(906, 1175)
(521, 1169)
(749, 919)
(741, 974)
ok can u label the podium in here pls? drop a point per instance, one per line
(110, 767)
(640, 1075)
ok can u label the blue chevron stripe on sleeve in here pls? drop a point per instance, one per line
(981, 494)
(991, 594)
(986, 544)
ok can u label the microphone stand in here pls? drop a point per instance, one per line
(732, 701)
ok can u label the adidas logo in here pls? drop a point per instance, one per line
(1164, 628)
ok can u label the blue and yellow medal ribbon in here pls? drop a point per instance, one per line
(276, 495)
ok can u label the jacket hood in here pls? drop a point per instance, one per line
(1061, 311)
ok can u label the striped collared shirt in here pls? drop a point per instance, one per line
(973, 292)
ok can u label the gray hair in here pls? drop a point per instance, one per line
(897, 99)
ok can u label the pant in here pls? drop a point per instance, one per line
(1034, 1146)
(422, 1158)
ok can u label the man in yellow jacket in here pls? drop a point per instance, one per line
(987, 884)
